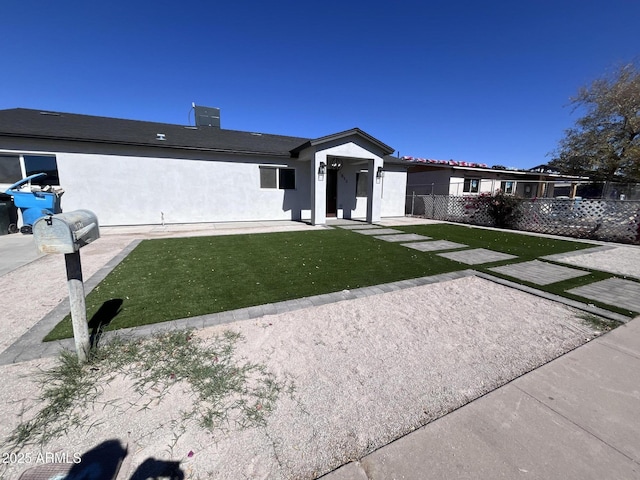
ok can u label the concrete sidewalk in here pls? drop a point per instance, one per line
(578, 417)
(15, 251)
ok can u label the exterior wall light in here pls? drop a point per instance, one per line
(322, 170)
(379, 174)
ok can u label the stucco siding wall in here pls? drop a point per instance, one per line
(420, 182)
(393, 193)
(129, 190)
(456, 186)
(488, 185)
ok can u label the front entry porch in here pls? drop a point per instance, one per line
(345, 175)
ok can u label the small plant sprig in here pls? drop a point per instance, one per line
(599, 323)
(225, 391)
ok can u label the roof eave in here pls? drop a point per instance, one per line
(493, 170)
(151, 145)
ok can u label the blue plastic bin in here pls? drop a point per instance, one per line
(33, 204)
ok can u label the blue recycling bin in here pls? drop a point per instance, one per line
(34, 204)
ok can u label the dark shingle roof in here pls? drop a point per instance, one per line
(21, 122)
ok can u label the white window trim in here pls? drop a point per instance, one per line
(514, 186)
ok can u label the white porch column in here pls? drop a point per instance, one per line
(374, 191)
(318, 191)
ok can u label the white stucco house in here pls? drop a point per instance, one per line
(135, 172)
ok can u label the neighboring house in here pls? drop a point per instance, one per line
(449, 177)
(134, 172)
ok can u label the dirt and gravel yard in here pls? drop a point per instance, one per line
(356, 375)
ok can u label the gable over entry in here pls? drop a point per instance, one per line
(346, 175)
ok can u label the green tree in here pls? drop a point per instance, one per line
(605, 142)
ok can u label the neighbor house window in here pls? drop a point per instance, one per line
(507, 187)
(471, 185)
(278, 177)
(361, 184)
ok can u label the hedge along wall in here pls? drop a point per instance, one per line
(599, 219)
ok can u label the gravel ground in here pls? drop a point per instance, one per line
(366, 371)
(623, 261)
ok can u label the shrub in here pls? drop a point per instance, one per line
(504, 209)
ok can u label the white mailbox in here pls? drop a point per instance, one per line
(66, 232)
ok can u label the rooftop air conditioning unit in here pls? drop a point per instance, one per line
(207, 116)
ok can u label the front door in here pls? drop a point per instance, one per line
(332, 192)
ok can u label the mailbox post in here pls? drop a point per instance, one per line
(67, 233)
(77, 305)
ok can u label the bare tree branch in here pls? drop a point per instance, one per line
(605, 142)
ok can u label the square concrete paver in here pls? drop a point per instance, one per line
(613, 291)
(538, 272)
(477, 256)
(378, 231)
(402, 237)
(434, 245)
(364, 226)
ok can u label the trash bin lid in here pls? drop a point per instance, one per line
(19, 183)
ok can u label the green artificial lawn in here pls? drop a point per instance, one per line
(170, 279)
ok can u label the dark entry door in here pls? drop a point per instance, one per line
(332, 192)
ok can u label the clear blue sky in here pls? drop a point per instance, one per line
(479, 81)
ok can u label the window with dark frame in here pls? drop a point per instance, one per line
(287, 179)
(361, 184)
(42, 164)
(10, 171)
(471, 185)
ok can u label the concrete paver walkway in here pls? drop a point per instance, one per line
(477, 256)
(434, 245)
(612, 291)
(377, 231)
(402, 237)
(360, 226)
(540, 273)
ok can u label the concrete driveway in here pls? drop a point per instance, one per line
(15, 251)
